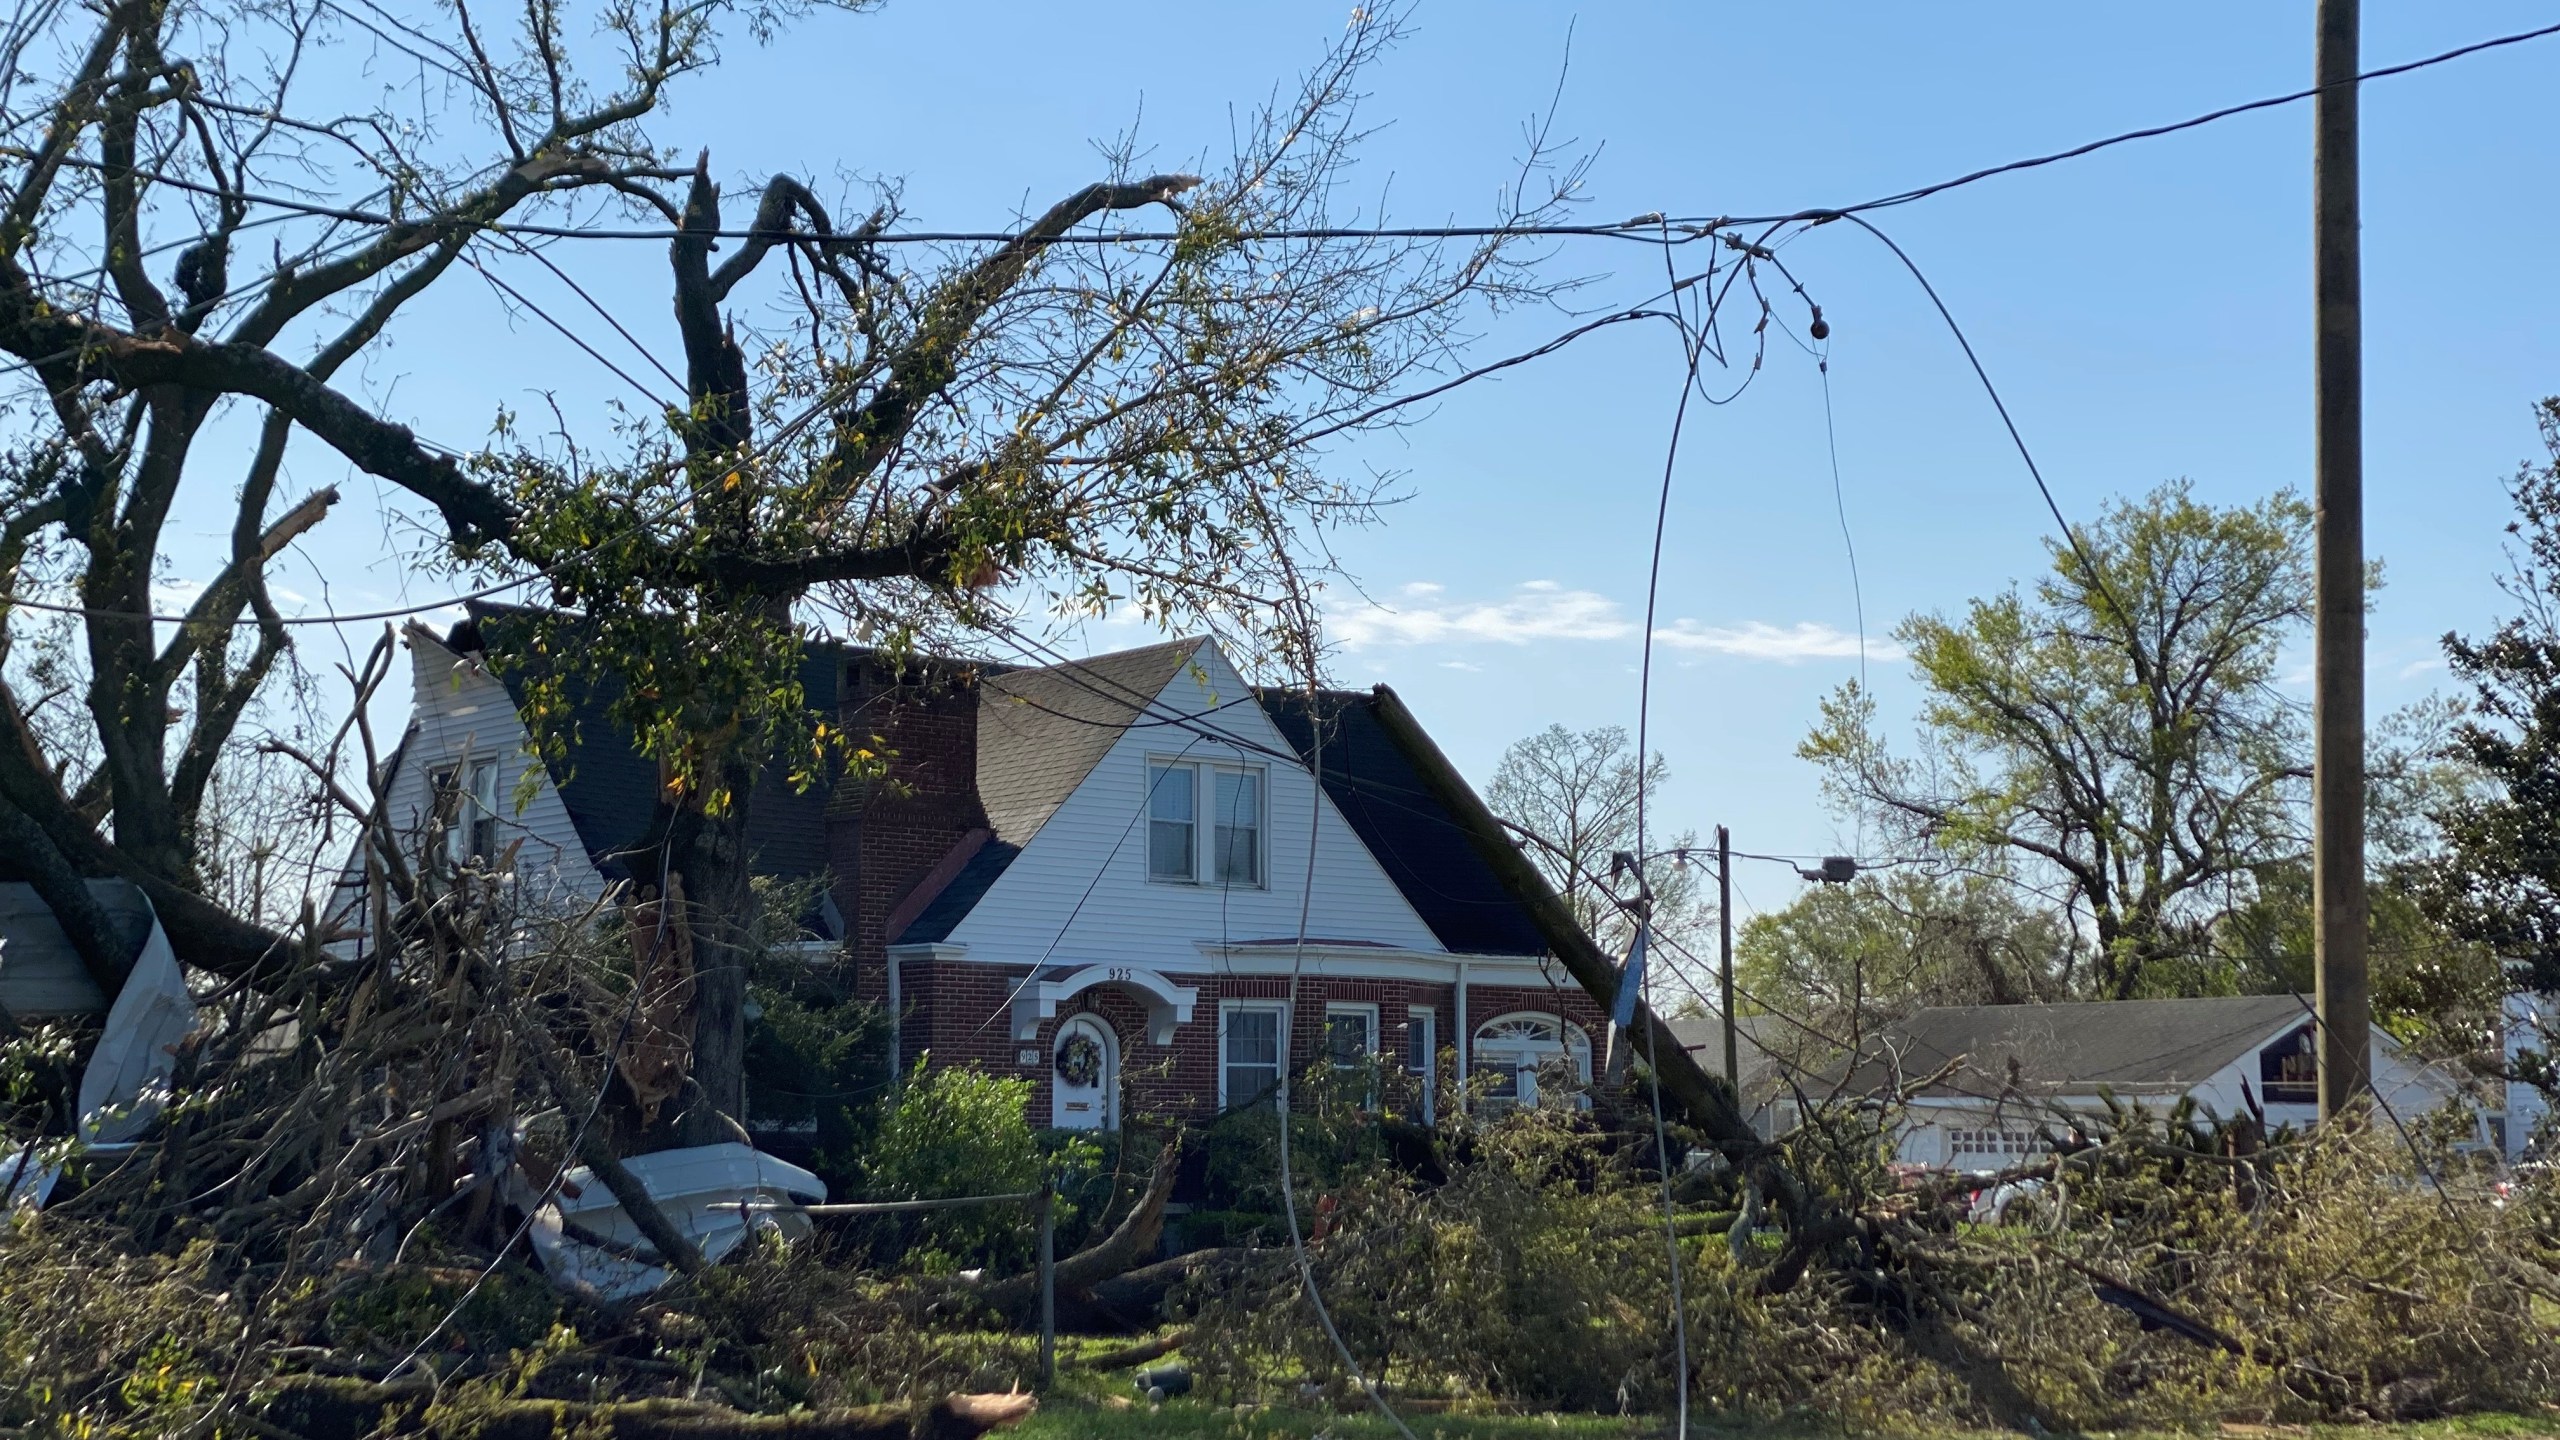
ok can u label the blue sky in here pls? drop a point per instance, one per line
(2146, 312)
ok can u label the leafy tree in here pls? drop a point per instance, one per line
(898, 442)
(1574, 794)
(2112, 739)
(1843, 957)
(2497, 883)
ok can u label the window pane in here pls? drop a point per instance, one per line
(1417, 1044)
(1346, 1037)
(1169, 822)
(1253, 1037)
(1253, 1054)
(1248, 1083)
(1238, 837)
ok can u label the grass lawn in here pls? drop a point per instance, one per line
(1070, 1417)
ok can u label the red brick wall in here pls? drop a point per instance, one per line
(885, 835)
(962, 1012)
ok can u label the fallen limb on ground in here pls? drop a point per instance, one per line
(1140, 1354)
(1132, 1241)
(317, 1408)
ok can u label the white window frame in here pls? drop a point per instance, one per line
(474, 783)
(1990, 1140)
(1191, 778)
(1424, 1020)
(1204, 822)
(1367, 1012)
(1280, 1090)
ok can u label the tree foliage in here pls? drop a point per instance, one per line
(1575, 793)
(1842, 958)
(2114, 738)
(2497, 883)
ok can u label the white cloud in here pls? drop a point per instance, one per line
(1788, 645)
(1538, 610)
(2416, 668)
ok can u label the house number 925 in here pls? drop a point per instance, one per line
(1121, 972)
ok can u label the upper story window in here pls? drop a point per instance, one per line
(1228, 850)
(2289, 1071)
(472, 832)
(1173, 823)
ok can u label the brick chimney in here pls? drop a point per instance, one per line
(886, 835)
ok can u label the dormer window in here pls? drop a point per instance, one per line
(1228, 850)
(2289, 1071)
(471, 831)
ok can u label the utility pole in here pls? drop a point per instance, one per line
(1724, 954)
(2337, 771)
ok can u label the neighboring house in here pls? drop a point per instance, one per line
(1769, 1063)
(1982, 1080)
(1093, 875)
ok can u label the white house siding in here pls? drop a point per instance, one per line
(1078, 894)
(458, 708)
(2401, 1088)
(1927, 1137)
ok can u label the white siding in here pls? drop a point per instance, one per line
(1040, 910)
(458, 708)
(2403, 1089)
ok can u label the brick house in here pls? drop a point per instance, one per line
(1090, 874)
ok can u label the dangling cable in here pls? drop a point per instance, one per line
(1690, 344)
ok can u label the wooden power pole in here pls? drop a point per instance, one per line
(2337, 802)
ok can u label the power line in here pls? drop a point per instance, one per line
(1654, 229)
(87, 612)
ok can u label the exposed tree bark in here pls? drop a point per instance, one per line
(329, 1408)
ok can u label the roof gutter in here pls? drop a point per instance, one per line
(1707, 1101)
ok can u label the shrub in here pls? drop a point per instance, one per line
(957, 1131)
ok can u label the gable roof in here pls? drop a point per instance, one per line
(611, 789)
(1413, 836)
(2127, 1045)
(1040, 732)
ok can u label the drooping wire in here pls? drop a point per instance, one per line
(2070, 537)
(1643, 229)
(1691, 343)
(1840, 503)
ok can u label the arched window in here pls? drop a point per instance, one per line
(1516, 1050)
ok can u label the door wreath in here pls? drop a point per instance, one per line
(1080, 1061)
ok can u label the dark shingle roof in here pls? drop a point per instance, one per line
(2130, 1045)
(945, 911)
(1420, 845)
(611, 789)
(1765, 1049)
(1040, 732)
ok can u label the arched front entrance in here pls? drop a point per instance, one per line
(1084, 1075)
(1517, 1048)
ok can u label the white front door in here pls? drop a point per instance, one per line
(1084, 1075)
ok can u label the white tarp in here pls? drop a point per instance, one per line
(701, 1190)
(127, 1083)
